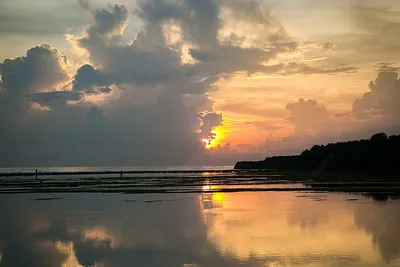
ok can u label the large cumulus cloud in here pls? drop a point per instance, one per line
(135, 102)
(383, 97)
(306, 115)
(42, 68)
(67, 130)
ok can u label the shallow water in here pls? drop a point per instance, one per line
(211, 228)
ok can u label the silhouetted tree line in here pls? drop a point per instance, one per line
(380, 153)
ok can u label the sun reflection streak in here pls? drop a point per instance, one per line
(211, 200)
(206, 187)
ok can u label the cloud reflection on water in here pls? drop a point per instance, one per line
(209, 229)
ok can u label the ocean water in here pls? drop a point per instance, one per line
(123, 168)
(191, 220)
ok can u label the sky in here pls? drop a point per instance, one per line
(188, 82)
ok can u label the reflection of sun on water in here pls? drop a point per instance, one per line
(216, 198)
(257, 224)
(210, 201)
(206, 187)
(219, 135)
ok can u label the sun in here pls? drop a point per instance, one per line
(219, 136)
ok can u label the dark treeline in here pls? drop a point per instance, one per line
(378, 154)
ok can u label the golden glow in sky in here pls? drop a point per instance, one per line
(220, 134)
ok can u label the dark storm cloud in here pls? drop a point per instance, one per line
(110, 21)
(383, 98)
(55, 99)
(146, 60)
(2, 87)
(121, 132)
(227, 59)
(87, 77)
(203, 26)
(159, 10)
(199, 18)
(200, 23)
(42, 68)
(163, 112)
(223, 56)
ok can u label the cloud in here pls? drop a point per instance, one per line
(84, 4)
(253, 21)
(55, 99)
(166, 131)
(208, 122)
(41, 69)
(87, 78)
(302, 68)
(137, 102)
(307, 115)
(145, 60)
(110, 21)
(285, 46)
(232, 52)
(383, 98)
(229, 59)
(387, 67)
(2, 88)
(159, 10)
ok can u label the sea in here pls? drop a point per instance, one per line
(191, 217)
